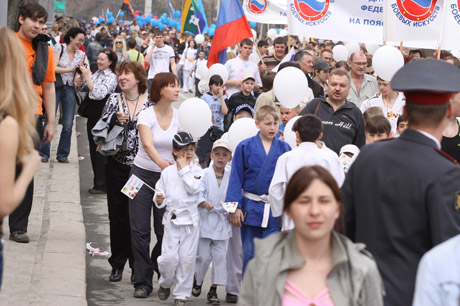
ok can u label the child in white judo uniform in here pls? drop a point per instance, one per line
(178, 190)
(215, 228)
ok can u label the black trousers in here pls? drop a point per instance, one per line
(140, 211)
(118, 205)
(98, 160)
(19, 218)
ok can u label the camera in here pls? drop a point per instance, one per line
(78, 70)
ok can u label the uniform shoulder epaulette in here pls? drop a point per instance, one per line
(447, 156)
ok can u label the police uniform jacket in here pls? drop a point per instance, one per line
(400, 200)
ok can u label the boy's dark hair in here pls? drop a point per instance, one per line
(268, 77)
(280, 41)
(31, 10)
(216, 80)
(132, 43)
(309, 127)
(72, 33)
(158, 33)
(378, 124)
(262, 43)
(246, 42)
(400, 119)
(288, 64)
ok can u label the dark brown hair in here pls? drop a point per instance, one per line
(31, 10)
(112, 57)
(303, 178)
(378, 124)
(309, 128)
(139, 73)
(160, 81)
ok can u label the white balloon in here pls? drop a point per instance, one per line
(371, 48)
(202, 69)
(455, 53)
(272, 33)
(203, 86)
(240, 130)
(254, 57)
(195, 117)
(340, 53)
(283, 33)
(290, 86)
(289, 134)
(254, 33)
(386, 61)
(199, 39)
(352, 47)
(220, 70)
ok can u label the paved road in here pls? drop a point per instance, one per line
(99, 290)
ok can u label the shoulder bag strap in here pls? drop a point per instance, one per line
(120, 105)
(317, 106)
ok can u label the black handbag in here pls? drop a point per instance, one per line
(59, 84)
(83, 107)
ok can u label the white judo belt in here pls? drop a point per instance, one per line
(260, 198)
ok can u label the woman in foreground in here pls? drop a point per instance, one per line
(312, 264)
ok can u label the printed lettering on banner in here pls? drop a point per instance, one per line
(357, 20)
(450, 39)
(413, 20)
(266, 11)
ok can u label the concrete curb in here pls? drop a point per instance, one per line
(51, 269)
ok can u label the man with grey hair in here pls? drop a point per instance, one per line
(363, 86)
(305, 59)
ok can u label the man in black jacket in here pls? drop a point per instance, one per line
(305, 60)
(401, 196)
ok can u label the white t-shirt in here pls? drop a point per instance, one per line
(391, 114)
(162, 140)
(161, 57)
(238, 69)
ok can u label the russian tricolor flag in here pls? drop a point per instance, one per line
(231, 28)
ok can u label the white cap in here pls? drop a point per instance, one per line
(349, 148)
(221, 143)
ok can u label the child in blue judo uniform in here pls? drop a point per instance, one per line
(253, 166)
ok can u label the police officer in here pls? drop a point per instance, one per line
(401, 195)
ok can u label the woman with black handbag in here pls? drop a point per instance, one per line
(101, 85)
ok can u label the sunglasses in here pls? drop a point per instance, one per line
(44, 28)
(119, 42)
(108, 52)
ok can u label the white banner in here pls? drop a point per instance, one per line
(266, 11)
(407, 20)
(450, 38)
(345, 20)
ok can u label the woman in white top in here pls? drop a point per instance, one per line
(391, 102)
(157, 126)
(68, 57)
(188, 61)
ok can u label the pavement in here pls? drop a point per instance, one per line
(54, 268)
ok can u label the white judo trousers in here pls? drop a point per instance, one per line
(177, 260)
(215, 251)
(234, 261)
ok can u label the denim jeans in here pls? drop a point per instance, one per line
(68, 101)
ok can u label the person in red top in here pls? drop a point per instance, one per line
(32, 17)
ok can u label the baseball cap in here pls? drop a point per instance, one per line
(221, 143)
(246, 107)
(322, 65)
(182, 139)
(143, 32)
(247, 77)
(424, 81)
(349, 148)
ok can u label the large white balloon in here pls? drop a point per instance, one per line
(254, 33)
(386, 61)
(202, 70)
(371, 48)
(272, 33)
(220, 70)
(340, 53)
(203, 86)
(352, 47)
(199, 39)
(289, 134)
(240, 130)
(254, 57)
(290, 86)
(195, 117)
(283, 33)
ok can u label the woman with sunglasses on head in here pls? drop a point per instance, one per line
(120, 48)
(68, 57)
(312, 264)
(157, 126)
(101, 85)
(134, 98)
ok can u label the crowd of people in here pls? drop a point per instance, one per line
(342, 216)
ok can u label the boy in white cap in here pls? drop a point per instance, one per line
(178, 190)
(215, 228)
